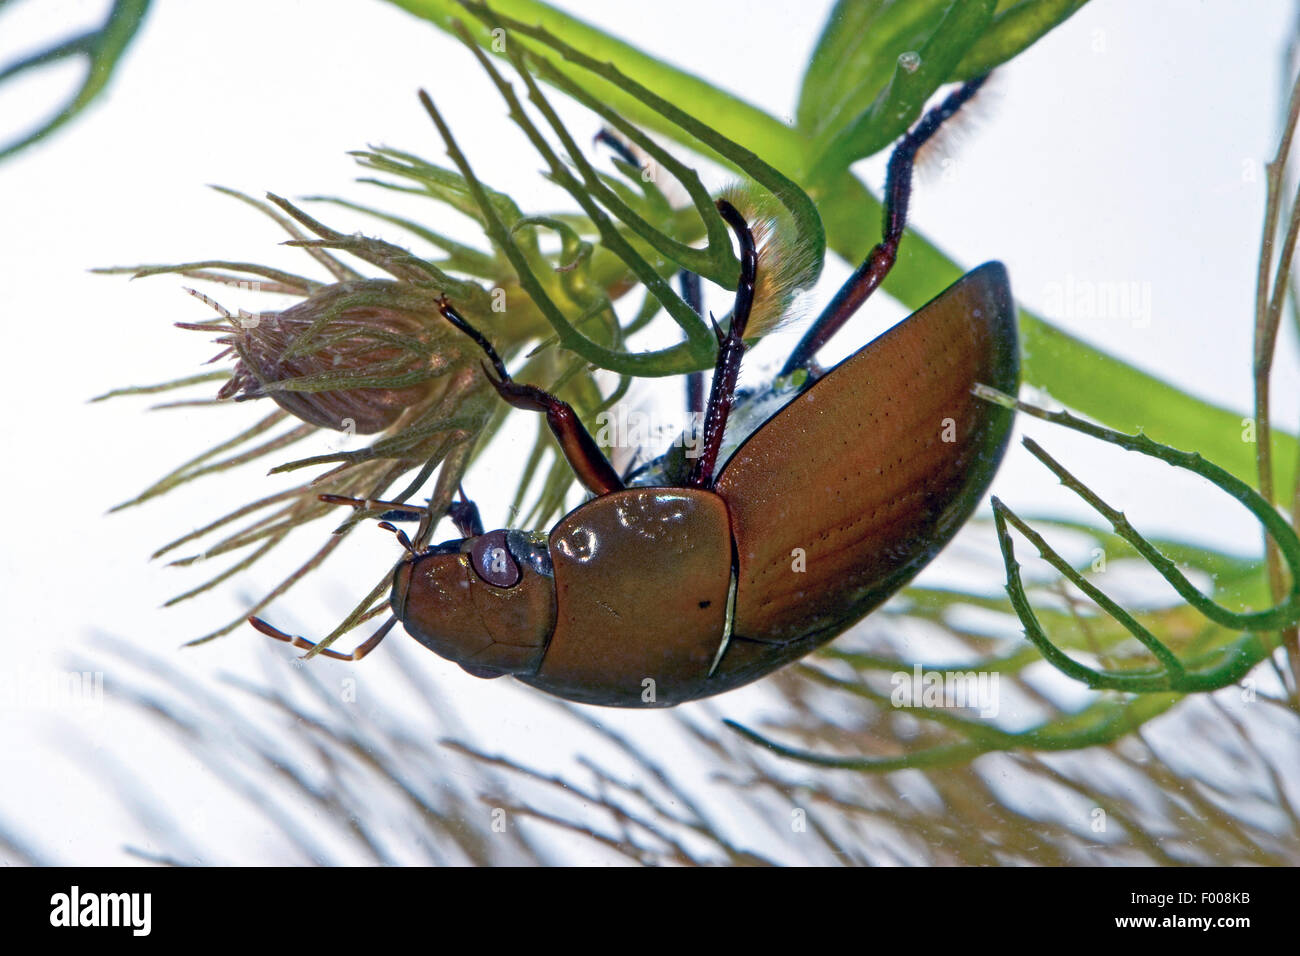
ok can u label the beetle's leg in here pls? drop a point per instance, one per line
(464, 515)
(872, 272)
(584, 455)
(397, 510)
(694, 297)
(301, 642)
(618, 146)
(730, 349)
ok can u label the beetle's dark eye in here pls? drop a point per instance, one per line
(492, 560)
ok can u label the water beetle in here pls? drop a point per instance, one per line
(677, 583)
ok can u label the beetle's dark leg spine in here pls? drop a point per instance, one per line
(617, 146)
(464, 515)
(302, 643)
(898, 191)
(455, 318)
(731, 348)
(580, 449)
(694, 297)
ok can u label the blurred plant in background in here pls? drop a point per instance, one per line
(873, 779)
(337, 781)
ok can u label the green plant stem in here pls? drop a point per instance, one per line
(1269, 303)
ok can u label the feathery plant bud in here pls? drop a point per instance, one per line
(355, 355)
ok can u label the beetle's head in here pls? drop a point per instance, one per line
(486, 602)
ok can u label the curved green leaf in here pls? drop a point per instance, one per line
(715, 108)
(856, 55)
(917, 72)
(1017, 25)
(102, 48)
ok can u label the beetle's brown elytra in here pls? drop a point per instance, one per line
(682, 586)
(859, 467)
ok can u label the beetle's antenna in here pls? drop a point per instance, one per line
(898, 191)
(216, 307)
(301, 642)
(402, 539)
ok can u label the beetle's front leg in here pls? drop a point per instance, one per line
(580, 449)
(463, 513)
(731, 348)
(397, 510)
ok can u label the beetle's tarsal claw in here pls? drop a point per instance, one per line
(490, 373)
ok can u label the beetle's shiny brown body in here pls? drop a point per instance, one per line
(821, 514)
(688, 578)
(667, 626)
